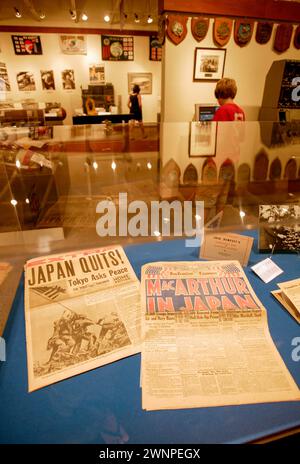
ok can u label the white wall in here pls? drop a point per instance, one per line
(248, 65)
(53, 58)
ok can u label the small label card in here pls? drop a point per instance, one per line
(218, 246)
(267, 270)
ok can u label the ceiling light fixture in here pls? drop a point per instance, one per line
(17, 13)
(106, 18)
(136, 18)
(150, 19)
(84, 17)
(73, 14)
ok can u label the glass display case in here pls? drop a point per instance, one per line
(246, 174)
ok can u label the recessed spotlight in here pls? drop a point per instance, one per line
(106, 18)
(27, 201)
(73, 14)
(150, 19)
(84, 17)
(17, 13)
(14, 202)
(136, 18)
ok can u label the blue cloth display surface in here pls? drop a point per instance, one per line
(104, 405)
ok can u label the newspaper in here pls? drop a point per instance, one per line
(206, 340)
(82, 311)
(289, 297)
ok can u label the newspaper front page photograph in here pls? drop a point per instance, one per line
(206, 340)
(82, 311)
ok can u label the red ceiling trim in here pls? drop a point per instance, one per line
(275, 10)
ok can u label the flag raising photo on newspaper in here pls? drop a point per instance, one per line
(206, 340)
(82, 311)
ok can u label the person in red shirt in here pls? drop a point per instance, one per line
(225, 93)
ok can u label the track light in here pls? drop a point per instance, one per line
(106, 18)
(136, 18)
(84, 17)
(150, 19)
(17, 13)
(73, 14)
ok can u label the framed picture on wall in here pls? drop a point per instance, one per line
(144, 80)
(27, 44)
(209, 64)
(203, 138)
(117, 48)
(97, 74)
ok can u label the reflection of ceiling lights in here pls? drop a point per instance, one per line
(136, 18)
(17, 13)
(106, 18)
(73, 14)
(150, 19)
(84, 17)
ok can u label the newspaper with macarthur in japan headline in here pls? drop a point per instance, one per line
(82, 310)
(206, 340)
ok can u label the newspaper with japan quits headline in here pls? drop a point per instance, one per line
(206, 340)
(82, 311)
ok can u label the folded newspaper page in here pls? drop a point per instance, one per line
(291, 293)
(206, 339)
(278, 294)
(82, 311)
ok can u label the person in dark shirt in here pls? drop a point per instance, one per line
(135, 107)
(225, 93)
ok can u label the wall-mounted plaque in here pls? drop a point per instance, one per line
(222, 30)
(176, 28)
(199, 27)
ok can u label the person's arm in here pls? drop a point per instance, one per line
(129, 103)
(140, 100)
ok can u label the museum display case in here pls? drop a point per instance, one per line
(149, 274)
(52, 184)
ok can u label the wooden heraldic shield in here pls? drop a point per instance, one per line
(297, 38)
(243, 30)
(283, 37)
(199, 27)
(263, 32)
(176, 29)
(222, 30)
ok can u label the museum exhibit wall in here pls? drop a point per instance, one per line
(248, 65)
(53, 59)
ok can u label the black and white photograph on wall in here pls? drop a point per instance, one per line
(47, 78)
(279, 228)
(143, 80)
(4, 81)
(209, 64)
(68, 79)
(97, 74)
(25, 80)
